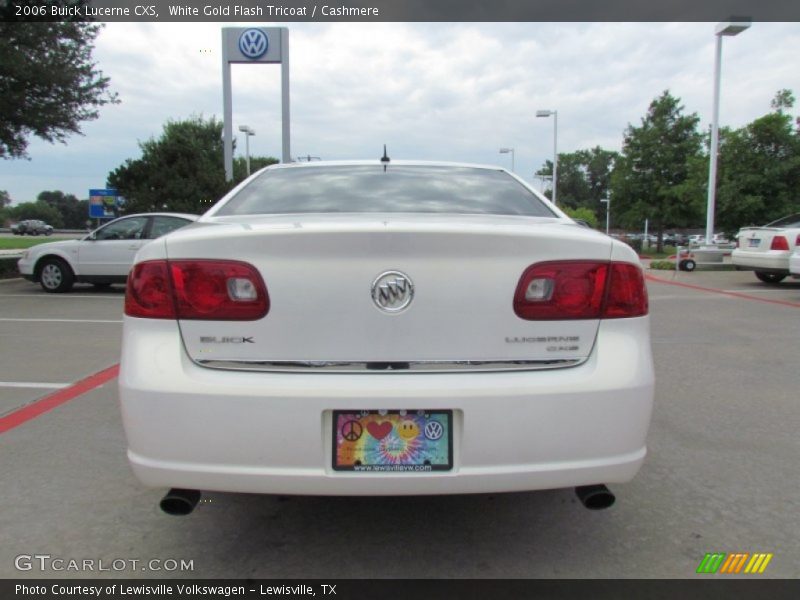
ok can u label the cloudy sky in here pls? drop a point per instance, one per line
(429, 91)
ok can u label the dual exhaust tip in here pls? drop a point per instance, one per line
(595, 497)
(180, 502)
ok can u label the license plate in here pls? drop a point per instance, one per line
(403, 441)
(753, 243)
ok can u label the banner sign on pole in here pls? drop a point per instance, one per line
(103, 204)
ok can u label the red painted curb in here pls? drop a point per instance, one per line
(691, 286)
(51, 401)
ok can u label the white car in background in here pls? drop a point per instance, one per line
(103, 257)
(794, 262)
(766, 249)
(385, 328)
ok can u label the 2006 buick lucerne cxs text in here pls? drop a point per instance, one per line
(385, 328)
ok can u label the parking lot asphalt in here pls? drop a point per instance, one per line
(721, 473)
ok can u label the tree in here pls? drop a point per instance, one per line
(783, 99)
(48, 82)
(583, 178)
(256, 163)
(759, 172)
(73, 212)
(652, 179)
(573, 188)
(582, 213)
(37, 210)
(181, 171)
(5, 199)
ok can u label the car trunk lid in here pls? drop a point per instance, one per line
(323, 275)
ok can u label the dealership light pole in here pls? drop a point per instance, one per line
(507, 151)
(728, 29)
(607, 201)
(554, 114)
(247, 131)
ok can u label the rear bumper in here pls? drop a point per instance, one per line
(794, 264)
(771, 261)
(198, 428)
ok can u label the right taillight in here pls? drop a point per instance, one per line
(217, 290)
(626, 295)
(566, 290)
(779, 243)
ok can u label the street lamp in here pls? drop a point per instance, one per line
(247, 133)
(554, 113)
(607, 201)
(507, 151)
(728, 29)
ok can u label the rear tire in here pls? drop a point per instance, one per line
(688, 265)
(770, 277)
(56, 276)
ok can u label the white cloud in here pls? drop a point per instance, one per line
(431, 91)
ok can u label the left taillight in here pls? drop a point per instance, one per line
(149, 291)
(216, 290)
(566, 290)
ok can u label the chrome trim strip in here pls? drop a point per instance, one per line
(429, 366)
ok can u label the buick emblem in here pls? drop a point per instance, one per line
(253, 43)
(392, 291)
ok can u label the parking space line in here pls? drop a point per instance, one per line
(51, 401)
(33, 385)
(764, 291)
(701, 288)
(6, 320)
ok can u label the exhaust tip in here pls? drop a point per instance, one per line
(595, 497)
(178, 502)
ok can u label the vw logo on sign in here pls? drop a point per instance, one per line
(253, 43)
(392, 291)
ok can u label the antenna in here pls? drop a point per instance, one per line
(385, 158)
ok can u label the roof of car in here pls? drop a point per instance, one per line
(378, 162)
(162, 214)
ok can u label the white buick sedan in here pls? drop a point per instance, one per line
(102, 258)
(385, 328)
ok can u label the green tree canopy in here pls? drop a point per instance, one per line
(48, 82)
(652, 178)
(582, 213)
(759, 170)
(181, 171)
(583, 178)
(74, 212)
(36, 210)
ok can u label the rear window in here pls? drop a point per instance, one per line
(789, 222)
(398, 189)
